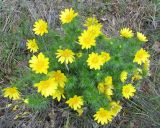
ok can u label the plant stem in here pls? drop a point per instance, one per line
(44, 45)
(67, 66)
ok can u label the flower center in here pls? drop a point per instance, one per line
(66, 54)
(12, 91)
(69, 17)
(40, 64)
(74, 101)
(103, 114)
(140, 56)
(42, 27)
(127, 90)
(33, 45)
(95, 60)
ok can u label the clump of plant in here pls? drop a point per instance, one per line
(83, 67)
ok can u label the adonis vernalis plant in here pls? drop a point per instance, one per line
(82, 68)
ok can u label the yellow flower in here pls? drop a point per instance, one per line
(128, 91)
(136, 75)
(94, 30)
(105, 56)
(123, 76)
(39, 64)
(91, 21)
(141, 37)
(108, 85)
(76, 102)
(115, 108)
(126, 32)
(67, 15)
(58, 93)
(103, 116)
(101, 88)
(40, 27)
(86, 40)
(105, 89)
(47, 87)
(108, 81)
(60, 78)
(141, 56)
(11, 93)
(94, 61)
(65, 56)
(108, 91)
(32, 45)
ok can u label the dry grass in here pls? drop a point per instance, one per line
(138, 14)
